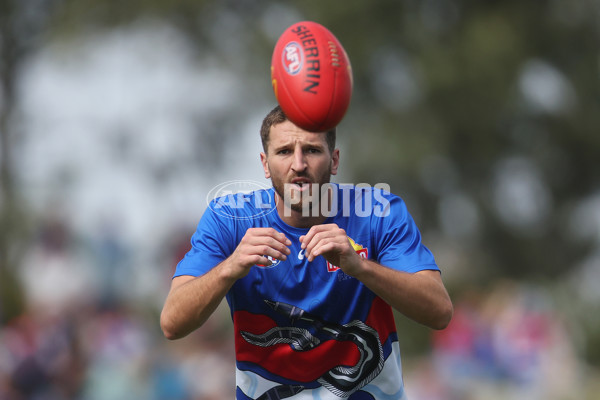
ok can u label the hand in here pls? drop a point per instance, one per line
(255, 246)
(331, 242)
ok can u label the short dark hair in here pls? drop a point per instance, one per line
(275, 117)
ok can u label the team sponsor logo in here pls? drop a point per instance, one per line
(292, 58)
(360, 250)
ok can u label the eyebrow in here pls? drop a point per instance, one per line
(304, 145)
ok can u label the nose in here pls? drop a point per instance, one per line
(299, 162)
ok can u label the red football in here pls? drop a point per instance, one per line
(311, 76)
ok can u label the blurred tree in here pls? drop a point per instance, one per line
(22, 27)
(488, 88)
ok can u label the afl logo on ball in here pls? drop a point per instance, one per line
(292, 58)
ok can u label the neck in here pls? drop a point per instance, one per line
(296, 218)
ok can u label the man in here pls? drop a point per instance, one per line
(311, 284)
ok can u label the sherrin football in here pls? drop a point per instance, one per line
(311, 76)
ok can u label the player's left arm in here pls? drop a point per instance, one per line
(420, 296)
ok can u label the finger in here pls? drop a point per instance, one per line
(271, 243)
(305, 239)
(315, 230)
(324, 247)
(328, 242)
(269, 232)
(249, 260)
(263, 250)
(263, 261)
(267, 236)
(328, 235)
(255, 249)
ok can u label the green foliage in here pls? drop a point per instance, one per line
(11, 298)
(472, 111)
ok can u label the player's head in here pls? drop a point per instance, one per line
(277, 116)
(297, 161)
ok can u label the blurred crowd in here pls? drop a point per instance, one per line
(87, 333)
(505, 343)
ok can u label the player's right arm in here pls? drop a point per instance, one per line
(191, 300)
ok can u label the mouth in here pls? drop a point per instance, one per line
(301, 184)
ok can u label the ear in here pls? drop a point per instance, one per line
(335, 161)
(265, 164)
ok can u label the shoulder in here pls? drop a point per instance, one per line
(362, 190)
(243, 205)
(368, 200)
(228, 217)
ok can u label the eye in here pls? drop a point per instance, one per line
(313, 150)
(283, 151)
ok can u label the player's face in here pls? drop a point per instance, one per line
(296, 160)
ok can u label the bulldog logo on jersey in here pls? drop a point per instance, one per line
(309, 334)
(360, 250)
